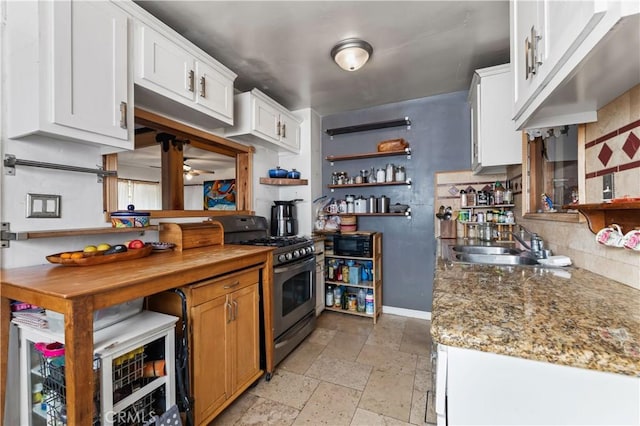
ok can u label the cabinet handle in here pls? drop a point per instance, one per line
(191, 77)
(278, 129)
(235, 310)
(527, 53)
(203, 90)
(235, 284)
(284, 130)
(535, 40)
(229, 312)
(123, 115)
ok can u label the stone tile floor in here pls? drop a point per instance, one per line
(347, 372)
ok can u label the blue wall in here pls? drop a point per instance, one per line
(440, 141)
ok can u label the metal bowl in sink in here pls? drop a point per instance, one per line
(486, 250)
(496, 259)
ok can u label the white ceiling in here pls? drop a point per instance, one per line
(421, 48)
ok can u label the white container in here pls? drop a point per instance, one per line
(101, 318)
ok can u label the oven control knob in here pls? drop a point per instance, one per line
(296, 254)
(312, 249)
(288, 256)
(281, 258)
(308, 250)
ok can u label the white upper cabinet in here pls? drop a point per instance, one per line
(494, 141)
(562, 51)
(167, 66)
(260, 119)
(67, 73)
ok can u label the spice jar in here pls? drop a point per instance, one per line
(353, 302)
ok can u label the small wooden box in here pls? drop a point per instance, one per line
(192, 235)
(448, 228)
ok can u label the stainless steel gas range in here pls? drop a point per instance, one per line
(294, 280)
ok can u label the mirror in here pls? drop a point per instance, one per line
(176, 170)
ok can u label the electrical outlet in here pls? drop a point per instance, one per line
(43, 206)
(607, 187)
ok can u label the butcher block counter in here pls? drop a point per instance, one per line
(79, 291)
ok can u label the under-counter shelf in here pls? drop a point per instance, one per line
(283, 181)
(601, 215)
(406, 151)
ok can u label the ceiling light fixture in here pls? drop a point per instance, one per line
(351, 54)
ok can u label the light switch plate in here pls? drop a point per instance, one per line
(43, 206)
(608, 192)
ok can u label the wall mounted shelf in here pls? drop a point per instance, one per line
(360, 185)
(283, 182)
(601, 215)
(369, 126)
(406, 151)
(7, 235)
(406, 214)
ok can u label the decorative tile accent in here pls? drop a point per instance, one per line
(631, 145)
(605, 154)
(454, 191)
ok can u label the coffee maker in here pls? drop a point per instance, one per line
(283, 218)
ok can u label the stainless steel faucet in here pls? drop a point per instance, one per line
(535, 245)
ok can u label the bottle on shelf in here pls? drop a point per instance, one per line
(337, 297)
(362, 300)
(463, 198)
(369, 302)
(329, 296)
(508, 193)
(498, 194)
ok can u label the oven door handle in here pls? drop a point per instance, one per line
(290, 267)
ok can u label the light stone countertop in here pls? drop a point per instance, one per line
(586, 321)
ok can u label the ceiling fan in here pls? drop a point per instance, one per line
(190, 172)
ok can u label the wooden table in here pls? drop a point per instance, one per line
(79, 291)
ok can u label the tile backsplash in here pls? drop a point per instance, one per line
(613, 146)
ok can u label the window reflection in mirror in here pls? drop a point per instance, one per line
(140, 175)
(176, 170)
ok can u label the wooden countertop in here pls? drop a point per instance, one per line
(157, 272)
(566, 316)
(78, 291)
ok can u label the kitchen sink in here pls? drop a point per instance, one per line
(486, 250)
(496, 259)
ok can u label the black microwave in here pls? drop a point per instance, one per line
(357, 245)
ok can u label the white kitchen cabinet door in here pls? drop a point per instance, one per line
(484, 388)
(289, 132)
(68, 74)
(214, 91)
(266, 120)
(526, 18)
(495, 143)
(90, 67)
(164, 66)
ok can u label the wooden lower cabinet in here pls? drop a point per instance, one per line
(224, 338)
